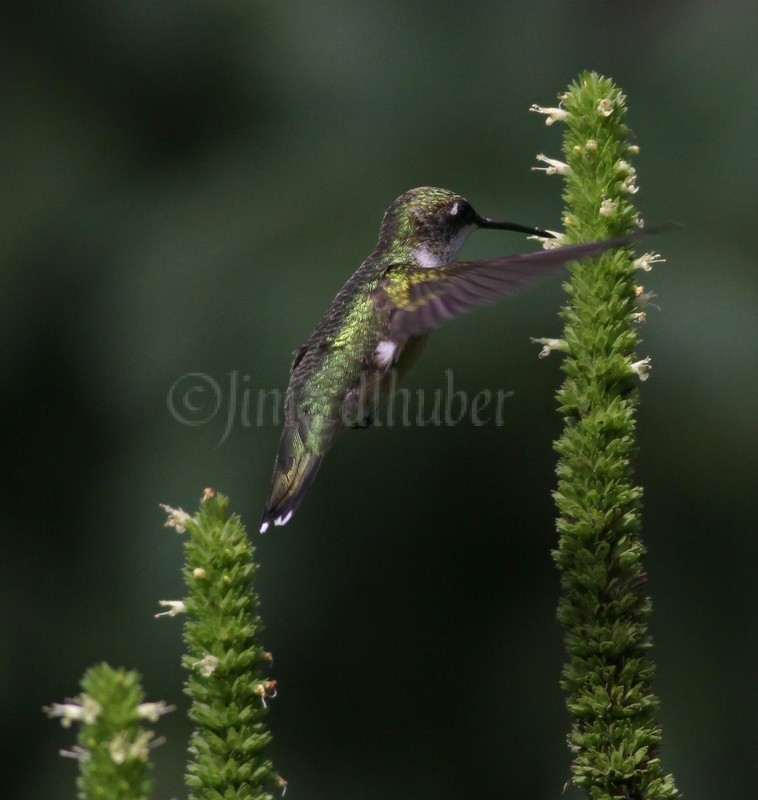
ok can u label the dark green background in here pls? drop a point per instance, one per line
(185, 187)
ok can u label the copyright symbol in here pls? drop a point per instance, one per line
(194, 398)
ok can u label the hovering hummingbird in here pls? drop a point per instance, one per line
(380, 320)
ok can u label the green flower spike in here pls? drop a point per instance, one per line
(614, 738)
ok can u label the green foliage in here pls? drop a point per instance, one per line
(226, 665)
(113, 746)
(614, 736)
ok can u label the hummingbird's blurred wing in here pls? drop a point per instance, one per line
(418, 299)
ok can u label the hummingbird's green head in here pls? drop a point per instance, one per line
(431, 225)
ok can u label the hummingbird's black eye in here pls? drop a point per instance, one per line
(462, 212)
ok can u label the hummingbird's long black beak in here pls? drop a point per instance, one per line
(496, 224)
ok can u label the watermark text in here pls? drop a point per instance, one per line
(198, 399)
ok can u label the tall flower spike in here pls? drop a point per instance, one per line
(113, 746)
(226, 664)
(614, 738)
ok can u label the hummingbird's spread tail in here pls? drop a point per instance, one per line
(294, 471)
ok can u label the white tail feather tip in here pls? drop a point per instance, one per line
(283, 520)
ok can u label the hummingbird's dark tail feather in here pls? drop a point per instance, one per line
(296, 467)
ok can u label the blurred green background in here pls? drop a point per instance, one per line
(185, 187)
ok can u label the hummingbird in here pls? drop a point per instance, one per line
(381, 318)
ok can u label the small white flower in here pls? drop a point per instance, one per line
(608, 207)
(198, 573)
(118, 748)
(639, 317)
(557, 240)
(86, 711)
(605, 107)
(76, 752)
(629, 185)
(633, 150)
(266, 691)
(646, 261)
(642, 368)
(176, 518)
(174, 607)
(643, 298)
(121, 749)
(548, 243)
(207, 665)
(590, 145)
(554, 167)
(553, 114)
(152, 711)
(550, 345)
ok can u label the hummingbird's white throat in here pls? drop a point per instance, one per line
(430, 257)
